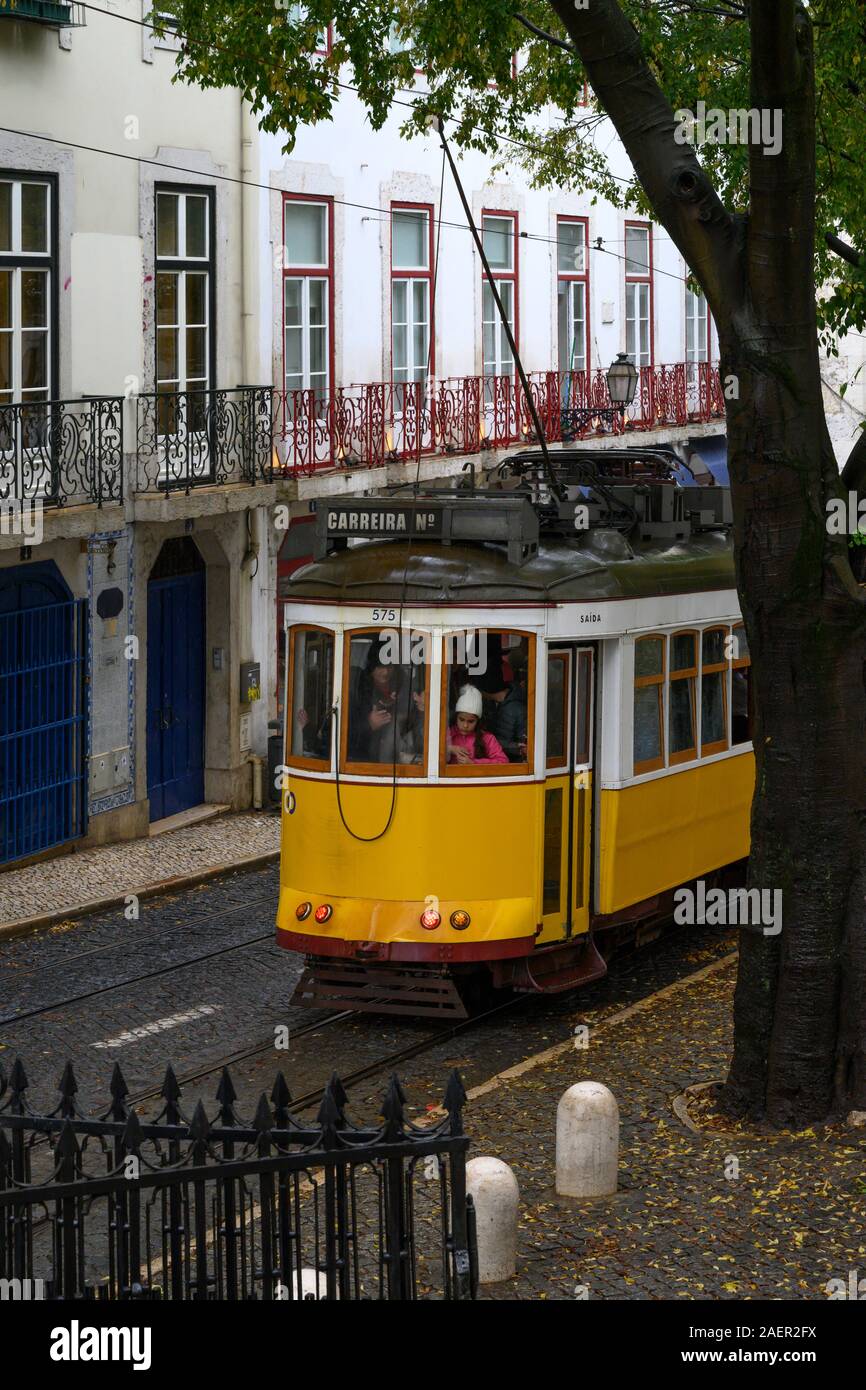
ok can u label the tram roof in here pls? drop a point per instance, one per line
(595, 566)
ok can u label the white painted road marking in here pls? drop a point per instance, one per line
(160, 1026)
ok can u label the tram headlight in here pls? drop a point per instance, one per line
(460, 920)
(430, 919)
(323, 913)
(303, 910)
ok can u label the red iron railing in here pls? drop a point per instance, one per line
(372, 424)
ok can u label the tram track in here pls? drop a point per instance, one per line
(132, 980)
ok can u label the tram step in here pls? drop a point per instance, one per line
(371, 988)
(560, 970)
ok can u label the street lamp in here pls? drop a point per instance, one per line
(622, 379)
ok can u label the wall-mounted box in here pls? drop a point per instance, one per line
(251, 682)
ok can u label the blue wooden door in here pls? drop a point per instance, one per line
(175, 693)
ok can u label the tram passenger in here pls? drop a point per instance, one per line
(316, 741)
(507, 719)
(372, 728)
(468, 741)
(410, 731)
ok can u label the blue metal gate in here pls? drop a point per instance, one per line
(42, 727)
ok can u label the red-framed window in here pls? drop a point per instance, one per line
(639, 340)
(572, 293)
(500, 238)
(297, 13)
(413, 353)
(308, 293)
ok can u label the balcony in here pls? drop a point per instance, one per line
(61, 453)
(377, 423)
(45, 12)
(189, 439)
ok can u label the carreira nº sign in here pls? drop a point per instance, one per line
(387, 521)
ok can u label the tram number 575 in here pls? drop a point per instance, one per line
(384, 615)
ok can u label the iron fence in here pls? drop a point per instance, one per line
(187, 439)
(61, 452)
(224, 1208)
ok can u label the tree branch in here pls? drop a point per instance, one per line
(848, 253)
(682, 196)
(543, 34)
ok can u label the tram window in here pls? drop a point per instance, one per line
(552, 882)
(557, 704)
(649, 677)
(714, 691)
(312, 675)
(488, 700)
(741, 689)
(681, 709)
(385, 702)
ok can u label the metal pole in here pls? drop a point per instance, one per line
(556, 489)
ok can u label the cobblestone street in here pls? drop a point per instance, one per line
(198, 981)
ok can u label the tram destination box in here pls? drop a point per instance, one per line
(505, 520)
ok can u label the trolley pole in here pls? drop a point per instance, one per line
(438, 125)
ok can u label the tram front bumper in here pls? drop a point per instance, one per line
(367, 929)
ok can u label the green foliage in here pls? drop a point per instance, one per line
(698, 49)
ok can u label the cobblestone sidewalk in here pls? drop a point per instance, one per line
(709, 1215)
(64, 886)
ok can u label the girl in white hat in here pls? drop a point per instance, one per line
(467, 741)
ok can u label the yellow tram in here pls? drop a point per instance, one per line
(516, 722)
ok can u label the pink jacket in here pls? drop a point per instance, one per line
(492, 746)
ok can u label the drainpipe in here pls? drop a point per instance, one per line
(249, 249)
(258, 765)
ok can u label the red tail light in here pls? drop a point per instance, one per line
(430, 919)
(324, 912)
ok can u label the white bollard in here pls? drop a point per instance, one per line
(493, 1188)
(587, 1141)
(314, 1284)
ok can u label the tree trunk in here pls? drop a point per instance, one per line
(800, 1007)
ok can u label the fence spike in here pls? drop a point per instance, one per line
(392, 1108)
(262, 1120)
(5, 1153)
(329, 1117)
(281, 1098)
(200, 1124)
(455, 1099)
(119, 1091)
(338, 1091)
(227, 1095)
(171, 1095)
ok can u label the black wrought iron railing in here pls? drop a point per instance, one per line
(225, 1208)
(187, 439)
(62, 452)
